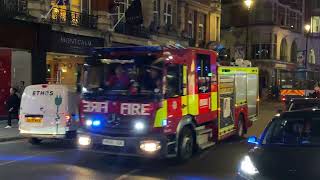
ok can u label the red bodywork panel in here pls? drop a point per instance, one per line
(5, 78)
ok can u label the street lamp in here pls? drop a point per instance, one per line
(248, 4)
(307, 28)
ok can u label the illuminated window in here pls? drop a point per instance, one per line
(315, 23)
(156, 11)
(167, 13)
(191, 25)
(201, 27)
(123, 5)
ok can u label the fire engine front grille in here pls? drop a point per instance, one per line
(118, 125)
(114, 149)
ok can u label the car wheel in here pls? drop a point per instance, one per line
(35, 141)
(186, 144)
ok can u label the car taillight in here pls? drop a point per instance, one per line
(68, 120)
(283, 99)
(68, 117)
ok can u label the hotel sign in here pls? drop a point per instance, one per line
(73, 44)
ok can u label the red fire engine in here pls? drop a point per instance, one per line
(163, 102)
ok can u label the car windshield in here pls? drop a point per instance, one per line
(130, 76)
(294, 131)
(305, 105)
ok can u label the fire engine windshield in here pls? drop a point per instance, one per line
(130, 76)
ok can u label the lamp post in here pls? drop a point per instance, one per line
(248, 4)
(307, 28)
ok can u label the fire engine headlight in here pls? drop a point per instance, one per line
(150, 146)
(84, 141)
(89, 122)
(139, 126)
(247, 167)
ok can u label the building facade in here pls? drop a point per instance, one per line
(193, 23)
(46, 41)
(276, 39)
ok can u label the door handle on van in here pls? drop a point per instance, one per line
(184, 106)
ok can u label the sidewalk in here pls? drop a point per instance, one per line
(9, 134)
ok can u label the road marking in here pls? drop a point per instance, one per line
(128, 174)
(13, 142)
(33, 156)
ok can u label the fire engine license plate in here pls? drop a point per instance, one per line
(112, 142)
(34, 120)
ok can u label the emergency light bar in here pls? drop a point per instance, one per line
(128, 49)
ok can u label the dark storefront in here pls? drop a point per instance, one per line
(22, 46)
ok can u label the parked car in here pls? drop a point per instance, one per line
(289, 148)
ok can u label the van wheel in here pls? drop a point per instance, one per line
(186, 144)
(241, 130)
(35, 141)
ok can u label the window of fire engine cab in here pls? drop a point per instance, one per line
(174, 86)
(204, 73)
(134, 76)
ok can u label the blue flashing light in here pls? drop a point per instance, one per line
(253, 140)
(128, 49)
(96, 123)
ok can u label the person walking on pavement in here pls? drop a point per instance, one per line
(12, 104)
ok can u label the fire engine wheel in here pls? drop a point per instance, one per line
(186, 144)
(35, 141)
(240, 126)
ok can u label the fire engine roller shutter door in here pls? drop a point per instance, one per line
(241, 88)
(253, 92)
(226, 103)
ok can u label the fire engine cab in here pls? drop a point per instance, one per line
(163, 102)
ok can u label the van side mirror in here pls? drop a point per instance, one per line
(253, 140)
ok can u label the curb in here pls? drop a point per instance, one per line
(6, 139)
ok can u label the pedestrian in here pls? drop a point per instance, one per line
(13, 104)
(316, 93)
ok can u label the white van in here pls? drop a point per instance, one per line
(48, 112)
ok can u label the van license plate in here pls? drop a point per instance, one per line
(112, 142)
(34, 120)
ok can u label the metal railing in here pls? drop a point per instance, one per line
(138, 31)
(72, 18)
(13, 8)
